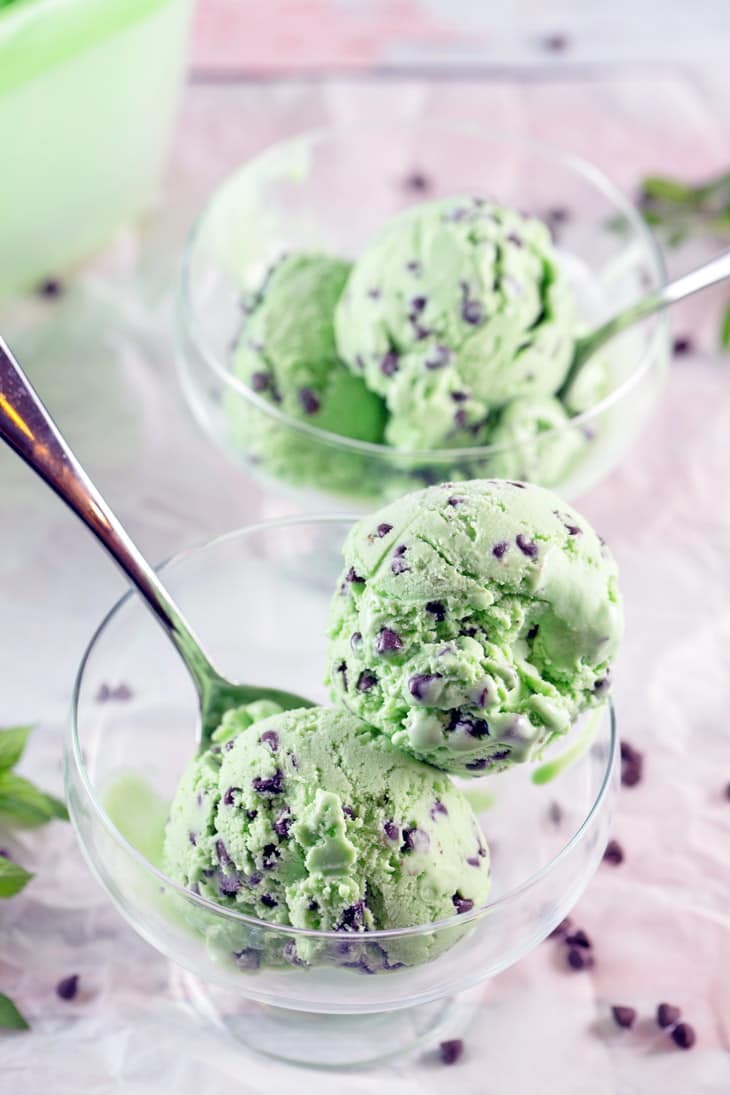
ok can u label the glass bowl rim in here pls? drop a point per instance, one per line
(188, 320)
(457, 920)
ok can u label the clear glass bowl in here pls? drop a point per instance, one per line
(258, 598)
(332, 191)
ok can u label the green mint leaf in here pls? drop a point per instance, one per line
(661, 188)
(13, 877)
(10, 1017)
(725, 330)
(24, 806)
(12, 744)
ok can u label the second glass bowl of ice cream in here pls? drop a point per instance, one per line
(259, 600)
(331, 192)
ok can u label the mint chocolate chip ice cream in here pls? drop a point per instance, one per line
(455, 309)
(473, 623)
(311, 818)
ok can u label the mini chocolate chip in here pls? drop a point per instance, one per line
(682, 345)
(389, 363)
(417, 181)
(473, 860)
(309, 401)
(229, 885)
(500, 549)
(192, 838)
(247, 959)
(352, 918)
(51, 287)
(684, 1036)
(527, 547)
(451, 1051)
(415, 840)
(555, 43)
(413, 266)
(67, 987)
(555, 813)
(515, 239)
(353, 576)
(355, 641)
(532, 632)
(578, 939)
(579, 959)
(401, 549)
(438, 358)
(454, 501)
(418, 304)
(250, 814)
(260, 382)
(270, 854)
(438, 808)
(388, 641)
(459, 397)
(436, 609)
(291, 955)
(383, 529)
(374, 294)
(419, 684)
(271, 785)
(283, 823)
(255, 878)
(270, 738)
(391, 830)
(727, 791)
(222, 852)
(632, 765)
(614, 853)
(366, 681)
(269, 901)
(342, 670)
(461, 904)
(623, 1016)
(472, 312)
(667, 1015)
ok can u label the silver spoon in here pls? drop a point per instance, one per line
(586, 346)
(27, 427)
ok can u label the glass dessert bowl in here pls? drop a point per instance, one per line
(259, 599)
(331, 192)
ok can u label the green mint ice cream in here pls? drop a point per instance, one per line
(473, 623)
(455, 309)
(535, 441)
(311, 818)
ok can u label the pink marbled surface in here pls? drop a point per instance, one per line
(660, 922)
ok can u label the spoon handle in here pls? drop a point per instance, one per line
(708, 274)
(27, 427)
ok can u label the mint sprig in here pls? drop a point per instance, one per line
(22, 805)
(679, 211)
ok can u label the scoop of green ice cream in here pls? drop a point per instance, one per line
(473, 623)
(311, 818)
(286, 349)
(458, 307)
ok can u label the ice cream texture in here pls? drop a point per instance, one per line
(458, 307)
(473, 623)
(286, 354)
(311, 818)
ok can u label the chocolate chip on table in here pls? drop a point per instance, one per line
(614, 853)
(727, 791)
(578, 939)
(579, 959)
(451, 1051)
(632, 765)
(555, 43)
(682, 345)
(623, 1016)
(684, 1036)
(418, 181)
(667, 1015)
(555, 813)
(67, 987)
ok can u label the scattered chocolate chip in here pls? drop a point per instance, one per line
(283, 823)
(270, 738)
(353, 576)
(562, 929)
(366, 681)
(527, 547)
(667, 1015)
(472, 312)
(614, 853)
(438, 358)
(461, 904)
(682, 345)
(388, 641)
(342, 670)
(51, 287)
(419, 685)
(454, 501)
(415, 840)
(383, 529)
(389, 363)
(684, 1036)
(557, 214)
(531, 634)
(515, 239)
(192, 838)
(451, 1051)
(122, 693)
(437, 809)
(291, 955)
(269, 901)
(579, 959)
(353, 918)
(632, 765)
(413, 266)
(417, 181)
(67, 987)
(499, 549)
(459, 397)
(309, 401)
(391, 830)
(250, 814)
(437, 609)
(355, 641)
(247, 959)
(272, 785)
(255, 878)
(727, 791)
(578, 939)
(374, 294)
(349, 812)
(222, 852)
(623, 1016)
(555, 813)
(260, 381)
(555, 43)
